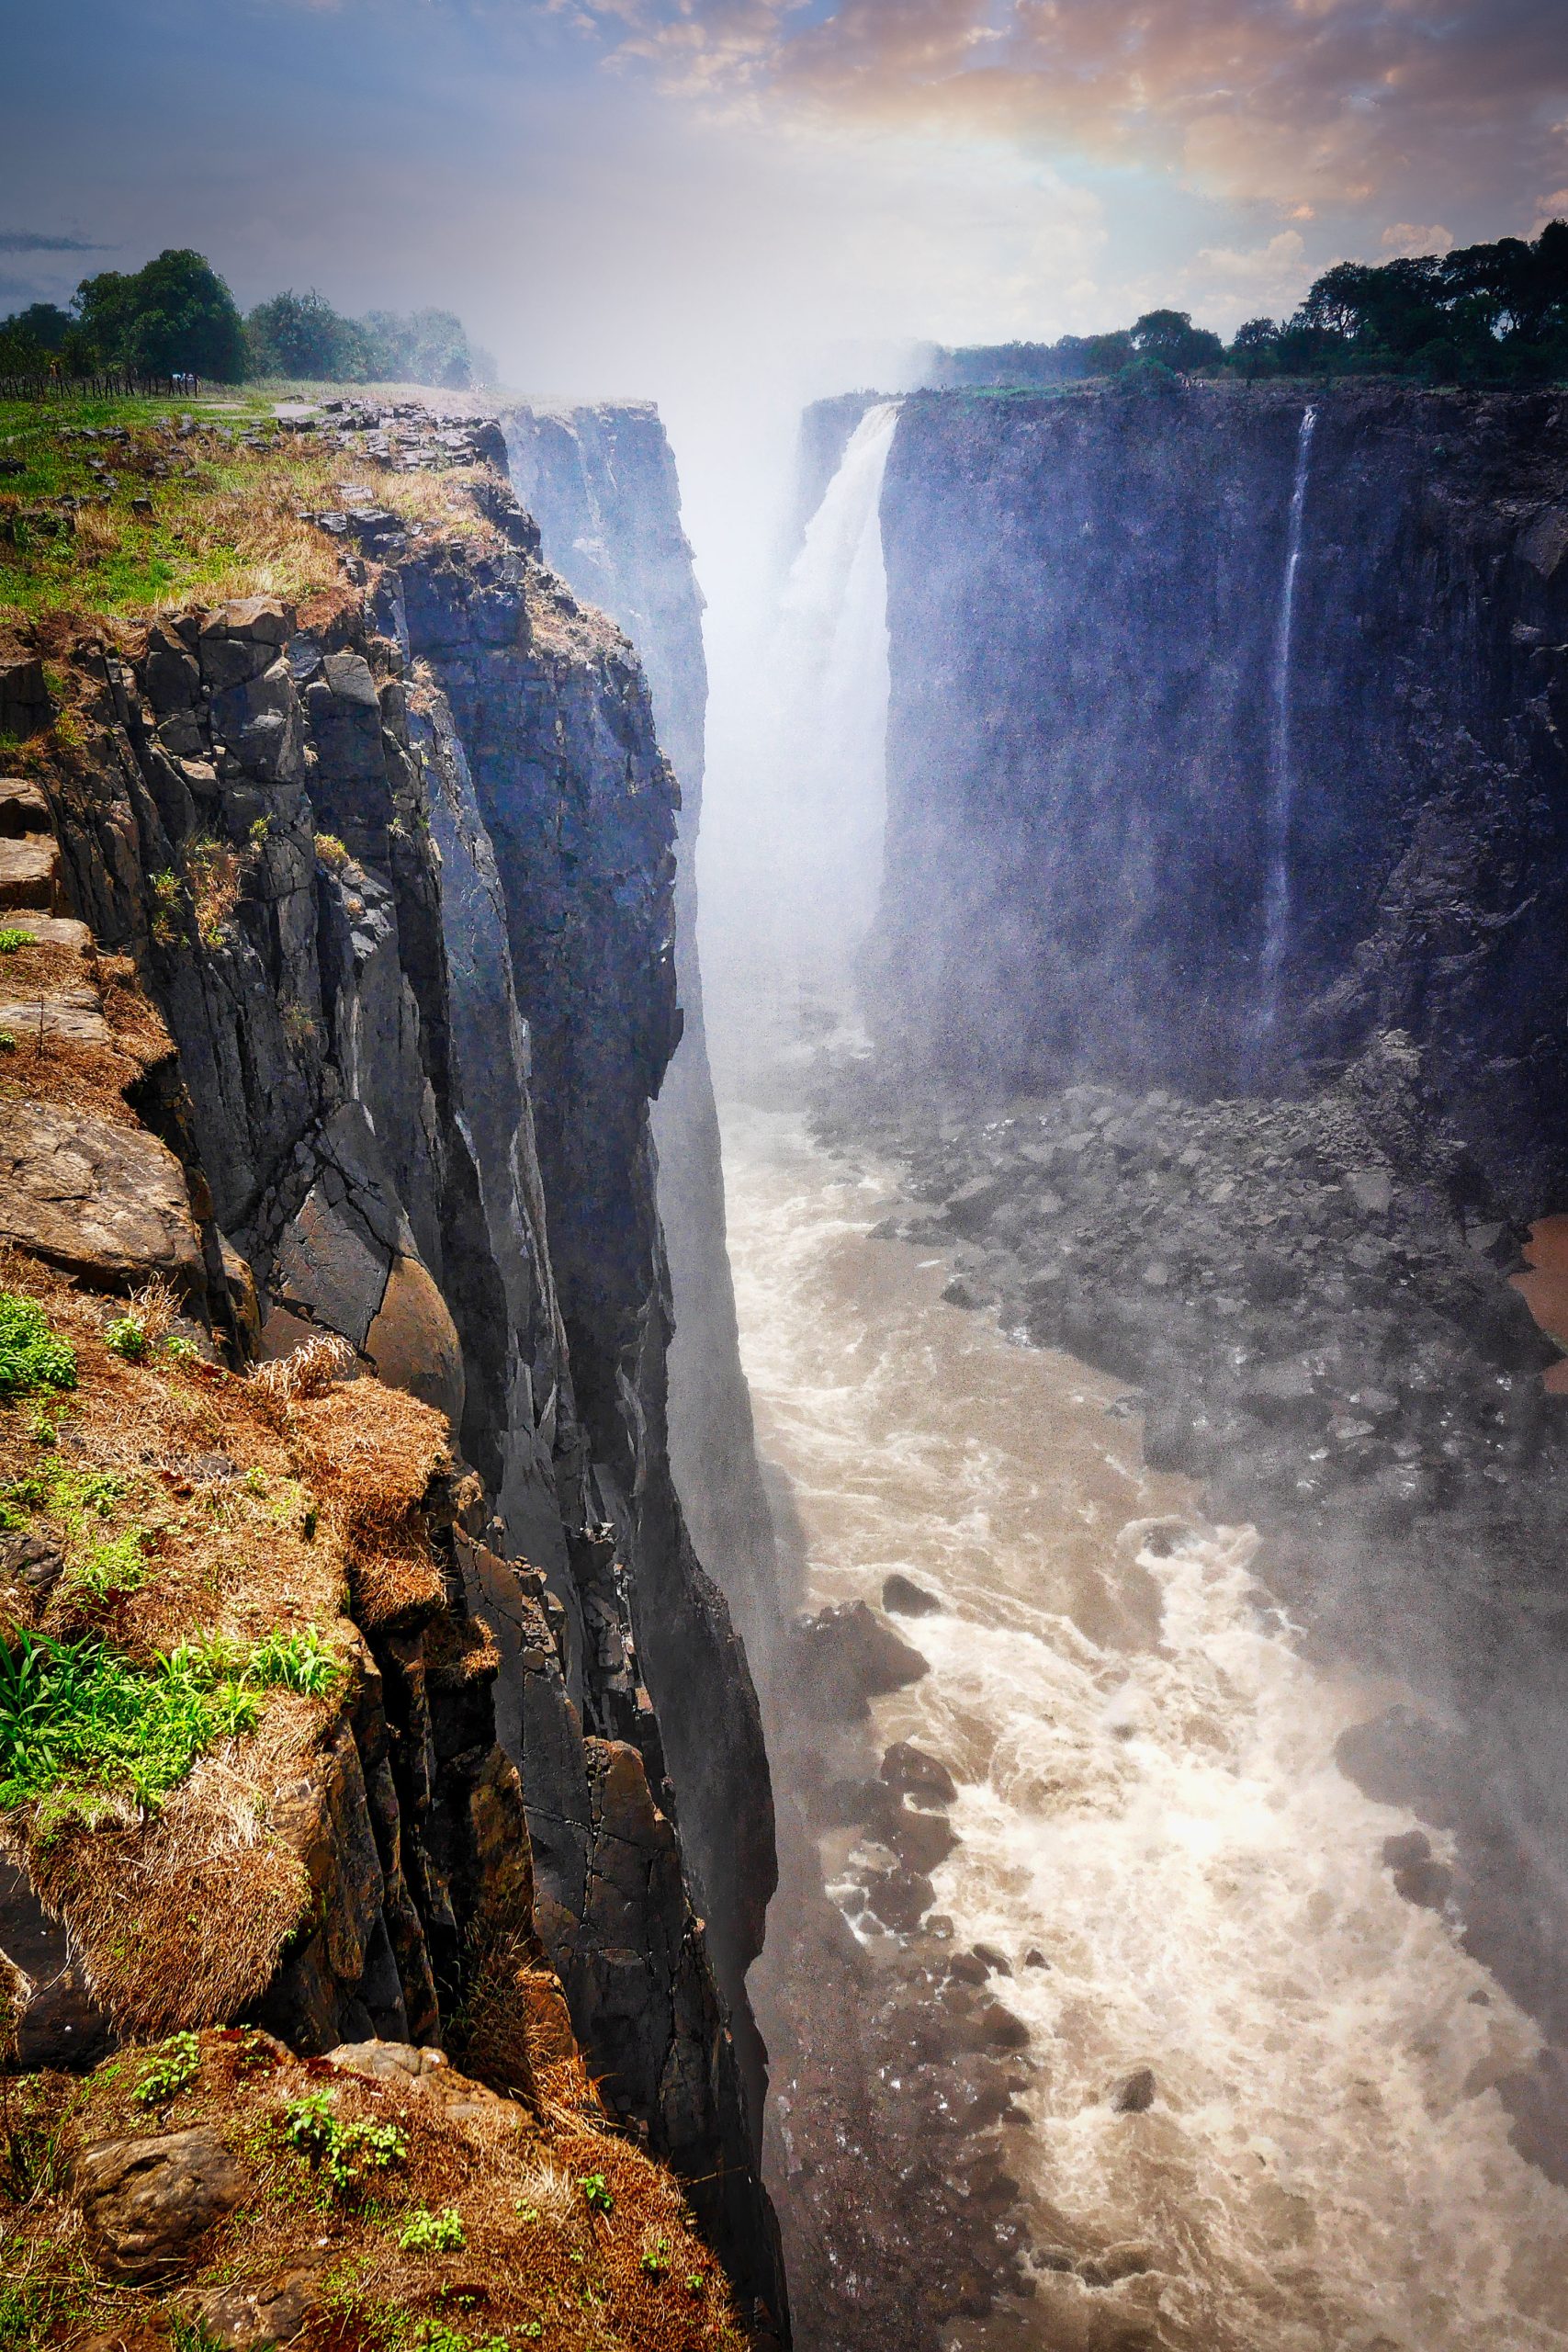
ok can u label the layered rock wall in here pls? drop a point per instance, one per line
(1106, 782)
(601, 484)
(397, 870)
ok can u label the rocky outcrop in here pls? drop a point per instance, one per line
(1148, 823)
(601, 484)
(396, 870)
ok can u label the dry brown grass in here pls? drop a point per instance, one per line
(309, 1371)
(536, 2253)
(58, 1069)
(215, 874)
(248, 1504)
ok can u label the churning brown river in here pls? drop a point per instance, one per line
(1148, 1797)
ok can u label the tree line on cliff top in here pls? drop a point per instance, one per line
(176, 317)
(1484, 314)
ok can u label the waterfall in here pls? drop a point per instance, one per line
(1282, 776)
(824, 801)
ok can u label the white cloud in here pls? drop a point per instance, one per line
(1404, 240)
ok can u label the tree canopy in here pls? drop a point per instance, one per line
(177, 316)
(1486, 314)
(174, 317)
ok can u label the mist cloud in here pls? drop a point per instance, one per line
(1338, 102)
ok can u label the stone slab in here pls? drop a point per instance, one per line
(27, 871)
(105, 1201)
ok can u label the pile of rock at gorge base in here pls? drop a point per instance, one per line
(328, 1166)
(1311, 1302)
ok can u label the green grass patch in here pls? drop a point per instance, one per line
(79, 1503)
(32, 1354)
(80, 1725)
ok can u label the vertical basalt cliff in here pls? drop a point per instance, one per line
(601, 484)
(396, 869)
(1153, 818)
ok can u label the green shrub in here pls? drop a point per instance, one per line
(596, 2191)
(342, 2153)
(331, 852)
(172, 2068)
(31, 1354)
(428, 2232)
(127, 1335)
(13, 937)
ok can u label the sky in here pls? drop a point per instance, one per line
(733, 205)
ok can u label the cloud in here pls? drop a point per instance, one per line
(1407, 241)
(26, 240)
(1299, 103)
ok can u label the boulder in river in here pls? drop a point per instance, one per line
(914, 1775)
(903, 1598)
(848, 1655)
(1136, 2096)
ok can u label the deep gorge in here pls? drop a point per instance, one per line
(1151, 1433)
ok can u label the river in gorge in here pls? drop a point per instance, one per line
(1148, 1803)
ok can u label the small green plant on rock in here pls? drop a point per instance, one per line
(128, 1337)
(32, 1355)
(331, 852)
(13, 937)
(172, 2068)
(342, 2153)
(428, 2232)
(596, 2192)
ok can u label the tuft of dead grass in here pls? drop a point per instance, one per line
(50, 1069)
(308, 1371)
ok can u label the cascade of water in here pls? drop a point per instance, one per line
(824, 808)
(1281, 777)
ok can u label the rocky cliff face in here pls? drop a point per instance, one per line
(601, 484)
(1218, 983)
(1147, 822)
(396, 870)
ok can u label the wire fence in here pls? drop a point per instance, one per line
(113, 383)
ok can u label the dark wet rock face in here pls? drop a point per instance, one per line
(419, 975)
(1092, 765)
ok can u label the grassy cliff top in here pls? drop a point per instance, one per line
(110, 508)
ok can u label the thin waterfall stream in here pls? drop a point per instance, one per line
(1281, 779)
(1155, 1843)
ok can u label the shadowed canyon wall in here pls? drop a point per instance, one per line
(413, 1057)
(1117, 754)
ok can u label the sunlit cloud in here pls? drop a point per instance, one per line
(1297, 103)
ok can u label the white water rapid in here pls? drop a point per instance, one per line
(1148, 1798)
(1281, 779)
(1149, 1801)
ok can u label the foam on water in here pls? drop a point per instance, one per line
(1149, 1797)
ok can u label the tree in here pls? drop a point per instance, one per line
(427, 348)
(175, 317)
(301, 334)
(1256, 346)
(1170, 337)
